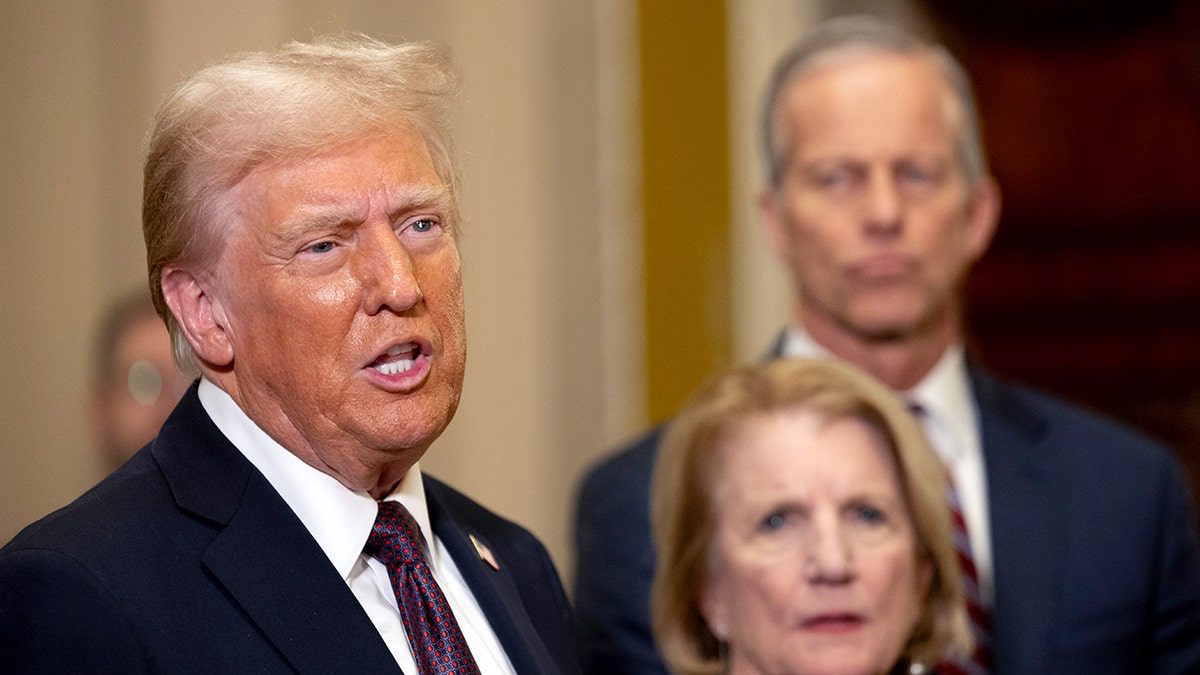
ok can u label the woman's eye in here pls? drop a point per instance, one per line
(775, 521)
(869, 514)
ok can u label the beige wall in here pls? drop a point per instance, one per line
(553, 367)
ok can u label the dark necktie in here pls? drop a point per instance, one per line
(437, 643)
(976, 663)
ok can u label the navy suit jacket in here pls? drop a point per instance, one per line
(186, 560)
(1095, 546)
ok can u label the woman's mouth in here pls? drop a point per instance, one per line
(833, 623)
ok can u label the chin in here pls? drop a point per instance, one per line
(839, 664)
(410, 436)
(885, 324)
(405, 431)
(884, 331)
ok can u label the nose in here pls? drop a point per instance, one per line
(828, 554)
(883, 205)
(386, 273)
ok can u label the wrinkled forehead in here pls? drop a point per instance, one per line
(782, 426)
(401, 144)
(246, 150)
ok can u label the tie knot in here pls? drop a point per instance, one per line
(915, 408)
(394, 537)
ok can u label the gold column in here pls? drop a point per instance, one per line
(685, 183)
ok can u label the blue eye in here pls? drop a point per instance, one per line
(834, 178)
(424, 225)
(322, 247)
(915, 175)
(920, 173)
(775, 521)
(869, 514)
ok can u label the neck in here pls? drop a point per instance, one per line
(900, 361)
(361, 469)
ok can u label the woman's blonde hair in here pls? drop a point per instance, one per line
(685, 475)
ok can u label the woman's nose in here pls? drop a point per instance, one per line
(828, 554)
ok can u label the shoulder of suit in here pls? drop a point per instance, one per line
(464, 509)
(1059, 420)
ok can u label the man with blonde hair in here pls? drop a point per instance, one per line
(301, 217)
(1077, 535)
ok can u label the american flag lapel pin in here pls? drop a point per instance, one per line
(485, 553)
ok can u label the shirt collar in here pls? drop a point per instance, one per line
(338, 518)
(798, 343)
(944, 393)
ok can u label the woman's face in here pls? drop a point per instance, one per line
(814, 565)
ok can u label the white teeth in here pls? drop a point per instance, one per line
(396, 350)
(394, 367)
(408, 349)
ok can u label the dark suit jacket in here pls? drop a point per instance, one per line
(1095, 546)
(186, 560)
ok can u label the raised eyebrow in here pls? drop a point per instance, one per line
(783, 506)
(874, 499)
(318, 222)
(436, 197)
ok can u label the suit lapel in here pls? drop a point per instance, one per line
(263, 556)
(494, 590)
(1028, 514)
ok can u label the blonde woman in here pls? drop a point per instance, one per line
(802, 527)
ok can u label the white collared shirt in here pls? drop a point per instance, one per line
(951, 421)
(340, 520)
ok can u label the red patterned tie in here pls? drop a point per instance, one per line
(978, 662)
(437, 643)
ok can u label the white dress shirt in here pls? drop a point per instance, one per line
(340, 520)
(951, 421)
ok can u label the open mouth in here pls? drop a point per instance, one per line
(397, 359)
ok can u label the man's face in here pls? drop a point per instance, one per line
(143, 387)
(874, 219)
(340, 294)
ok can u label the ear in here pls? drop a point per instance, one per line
(771, 210)
(714, 607)
(200, 315)
(924, 576)
(983, 213)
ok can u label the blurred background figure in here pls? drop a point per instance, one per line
(878, 202)
(802, 526)
(135, 383)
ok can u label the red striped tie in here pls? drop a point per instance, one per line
(436, 640)
(979, 661)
